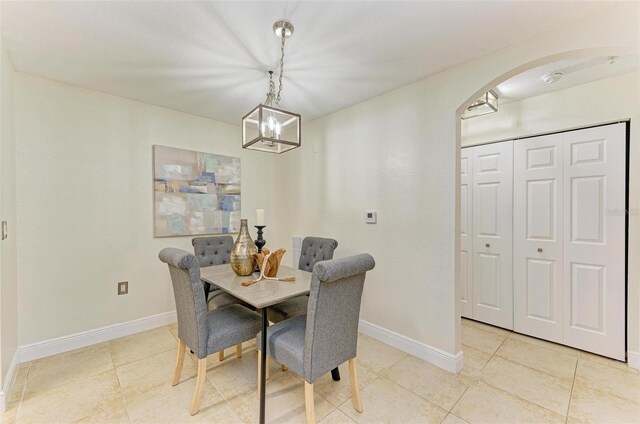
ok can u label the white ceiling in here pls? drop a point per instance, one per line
(211, 58)
(576, 71)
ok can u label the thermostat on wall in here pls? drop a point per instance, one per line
(371, 217)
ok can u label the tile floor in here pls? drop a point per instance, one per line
(508, 378)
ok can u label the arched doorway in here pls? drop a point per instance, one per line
(633, 252)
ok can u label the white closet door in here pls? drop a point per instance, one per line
(537, 237)
(594, 233)
(492, 234)
(465, 287)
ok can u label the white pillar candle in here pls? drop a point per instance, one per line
(259, 216)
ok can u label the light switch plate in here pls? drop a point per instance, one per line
(371, 217)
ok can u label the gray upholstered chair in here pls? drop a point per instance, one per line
(314, 250)
(211, 251)
(201, 330)
(313, 344)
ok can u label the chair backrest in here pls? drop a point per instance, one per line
(314, 250)
(215, 250)
(191, 307)
(333, 313)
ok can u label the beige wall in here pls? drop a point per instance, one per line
(85, 203)
(606, 100)
(398, 154)
(8, 264)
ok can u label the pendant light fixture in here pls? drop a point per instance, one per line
(267, 127)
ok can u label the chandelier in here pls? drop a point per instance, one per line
(268, 127)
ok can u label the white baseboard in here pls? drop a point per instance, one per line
(86, 338)
(9, 379)
(633, 359)
(433, 355)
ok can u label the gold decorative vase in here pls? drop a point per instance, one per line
(242, 251)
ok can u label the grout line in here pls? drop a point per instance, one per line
(549, 352)
(513, 394)
(463, 393)
(573, 383)
(122, 398)
(416, 394)
(24, 390)
(522, 399)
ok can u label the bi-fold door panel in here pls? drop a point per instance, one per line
(594, 235)
(492, 294)
(465, 287)
(537, 236)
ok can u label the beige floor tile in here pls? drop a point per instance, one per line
(173, 328)
(482, 340)
(337, 392)
(69, 367)
(9, 416)
(234, 377)
(285, 402)
(542, 389)
(95, 399)
(452, 419)
(142, 345)
(474, 361)
(167, 404)
(384, 401)
(591, 357)
(543, 343)
(374, 357)
(14, 398)
(419, 377)
(593, 406)
(482, 403)
(624, 383)
(539, 357)
(140, 376)
(336, 417)
(486, 327)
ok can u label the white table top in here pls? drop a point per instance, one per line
(263, 293)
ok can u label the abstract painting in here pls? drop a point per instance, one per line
(195, 193)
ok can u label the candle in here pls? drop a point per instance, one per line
(259, 216)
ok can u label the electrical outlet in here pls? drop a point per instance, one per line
(123, 287)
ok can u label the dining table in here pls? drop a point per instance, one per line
(260, 295)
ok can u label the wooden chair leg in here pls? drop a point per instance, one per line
(355, 388)
(182, 347)
(308, 403)
(197, 395)
(259, 370)
(239, 350)
(267, 370)
(221, 355)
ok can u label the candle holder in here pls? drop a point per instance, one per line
(260, 242)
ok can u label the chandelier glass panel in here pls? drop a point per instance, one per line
(268, 127)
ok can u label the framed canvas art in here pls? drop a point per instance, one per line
(195, 193)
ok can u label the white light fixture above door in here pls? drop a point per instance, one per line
(268, 128)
